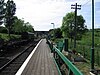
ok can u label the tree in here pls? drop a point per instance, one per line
(58, 33)
(68, 26)
(9, 15)
(20, 26)
(1, 11)
(28, 27)
(51, 33)
(3, 29)
(55, 33)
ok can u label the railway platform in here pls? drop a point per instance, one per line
(39, 62)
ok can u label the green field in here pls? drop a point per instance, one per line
(84, 48)
(6, 38)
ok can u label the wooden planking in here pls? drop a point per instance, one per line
(32, 64)
(41, 62)
(19, 72)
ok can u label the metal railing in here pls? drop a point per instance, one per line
(72, 68)
(61, 59)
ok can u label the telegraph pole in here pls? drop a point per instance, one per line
(92, 49)
(75, 28)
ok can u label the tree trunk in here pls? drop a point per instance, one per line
(9, 33)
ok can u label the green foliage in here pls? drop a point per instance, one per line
(11, 22)
(55, 33)
(68, 26)
(20, 26)
(6, 38)
(84, 45)
(51, 33)
(1, 11)
(58, 33)
(3, 29)
(9, 15)
(28, 27)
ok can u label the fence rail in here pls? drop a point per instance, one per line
(59, 57)
(68, 63)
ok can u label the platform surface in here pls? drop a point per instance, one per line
(41, 62)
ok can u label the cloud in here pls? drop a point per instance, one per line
(40, 13)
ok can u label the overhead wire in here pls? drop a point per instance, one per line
(86, 3)
(83, 3)
(79, 1)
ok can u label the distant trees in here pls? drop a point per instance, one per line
(68, 26)
(58, 33)
(11, 22)
(28, 27)
(55, 33)
(51, 33)
(20, 26)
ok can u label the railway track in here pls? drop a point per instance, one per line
(12, 66)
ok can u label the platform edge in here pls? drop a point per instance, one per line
(19, 72)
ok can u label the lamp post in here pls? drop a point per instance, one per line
(53, 28)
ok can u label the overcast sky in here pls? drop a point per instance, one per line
(41, 13)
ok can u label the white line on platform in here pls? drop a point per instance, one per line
(91, 73)
(19, 72)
